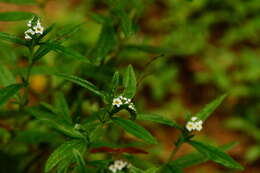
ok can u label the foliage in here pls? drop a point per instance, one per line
(88, 64)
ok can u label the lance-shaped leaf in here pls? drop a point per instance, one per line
(157, 119)
(135, 129)
(105, 43)
(8, 92)
(129, 82)
(81, 165)
(65, 51)
(82, 82)
(169, 169)
(18, 2)
(136, 170)
(41, 52)
(209, 108)
(152, 170)
(62, 107)
(67, 31)
(196, 158)
(216, 155)
(12, 38)
(6, 76)
(114, 83)
(64, 152)
(126, 24)
(101, 19)
(146, 48)
(55, 122)
(15, 16)
(63, 165)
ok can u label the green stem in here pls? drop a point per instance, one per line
(178, 144)
(177, 147)
(27, 78)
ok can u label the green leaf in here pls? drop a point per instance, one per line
(152, 170)
(62, 107)
(8, 92)
(41, 51)
(209, 108)
(114, 83)
(99, 18)
(126, 23)
(105, 44)
(135, 129)
(80, 161)
(19, 1)
(157, 119)
(82, 82)
(15, 16)
(169, 169)
(36, 136)
(136, 170)
(216, 155)
(12, 38)
(65, 51)
(129, 82)
(63, 165)
(67, 31)
(146, 48)
(196, 158)
(6, 76)
(55, 122)
(63, 152)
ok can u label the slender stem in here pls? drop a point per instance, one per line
(27, 78)
(177, 147)
(178, 144)
(146, 72)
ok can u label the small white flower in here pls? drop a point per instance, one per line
(194, 118)
(198, 126)
(29, 24)
(29, 31)
(120, 164)
(190, 126)
(127, 101)
(132, 106)
(200, 122)
(112, 168)
(38, 28)
(117, 102)
(27, 37)
(194, 124)
(123, 98)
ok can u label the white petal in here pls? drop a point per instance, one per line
(27, 37)
(190, 126)
(194, 118)
(200, 122)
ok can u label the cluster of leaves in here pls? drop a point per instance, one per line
(78, 135)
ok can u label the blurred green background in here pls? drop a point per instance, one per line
(185, 53)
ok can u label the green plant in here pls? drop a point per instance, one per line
(84, 135)
(75, 136)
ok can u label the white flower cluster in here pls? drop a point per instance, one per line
(194, 124)
(33, 29)
(119, 101)
(119, 165)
